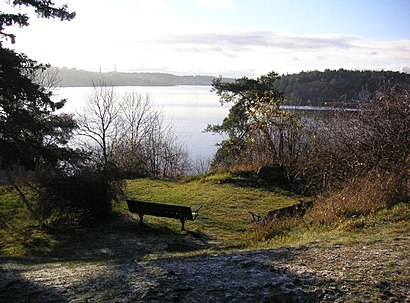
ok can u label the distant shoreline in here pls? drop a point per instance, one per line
(81, 78)
(341, 87)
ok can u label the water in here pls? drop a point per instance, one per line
(189, 108)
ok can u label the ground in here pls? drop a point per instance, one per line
(187, 267)
(362, 259)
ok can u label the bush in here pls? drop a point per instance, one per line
(348, 145)
(74, 198)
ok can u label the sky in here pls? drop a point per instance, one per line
(222, 37)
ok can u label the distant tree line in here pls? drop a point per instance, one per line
(336, 87)
(327, 88)
(81, 78)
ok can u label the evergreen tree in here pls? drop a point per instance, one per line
(30, 133)
(254, 121)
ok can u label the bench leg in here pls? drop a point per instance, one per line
(183, 224)
(141, 218)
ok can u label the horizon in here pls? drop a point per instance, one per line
(405, 71)
(232, 38)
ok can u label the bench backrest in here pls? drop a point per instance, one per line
(160, 210)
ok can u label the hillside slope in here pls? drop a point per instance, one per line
(365, 260)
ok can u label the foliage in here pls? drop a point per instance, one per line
(30, 135)
(359, 196)
(258, 129)
(43, 9)
(358, 164)
(70, 198)
(346, 145)
(318, 151)
(336, 87)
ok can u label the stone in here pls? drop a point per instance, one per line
(272, 174)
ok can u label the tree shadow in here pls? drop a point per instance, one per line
(256, 276)
(14, 287)
(239, 277)
(251, 180)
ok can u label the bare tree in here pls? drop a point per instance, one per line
(343, 145)
(130, 132)
(47, 78)
(99, 119)
(201, 165)
(163, 155)
(134, 125)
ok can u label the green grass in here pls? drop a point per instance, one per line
(226, 201)
(19, 233)
(223, 223)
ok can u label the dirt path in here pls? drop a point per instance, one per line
(376, 272)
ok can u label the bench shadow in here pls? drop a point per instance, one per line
(193, 241)
(122, 239)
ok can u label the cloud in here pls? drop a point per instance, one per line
(218, 4)
(177, 43)
(320, 45)
(258, 38)
(207, 50)
(266, 50)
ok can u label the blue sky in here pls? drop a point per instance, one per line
(223, 37)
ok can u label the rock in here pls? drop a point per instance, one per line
(272, 174)
(296, 210)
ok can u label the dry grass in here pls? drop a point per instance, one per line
(276, 227)
(342, 209)
(359, 196)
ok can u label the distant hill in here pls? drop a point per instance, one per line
(74, 77)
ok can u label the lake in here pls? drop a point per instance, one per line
(189, 108)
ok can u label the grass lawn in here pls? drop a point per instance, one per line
(226, 203)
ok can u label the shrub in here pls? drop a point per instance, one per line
(347, 145)
(72, 198)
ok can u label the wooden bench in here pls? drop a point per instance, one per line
(182, 213)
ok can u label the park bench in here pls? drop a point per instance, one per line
(182, 213)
